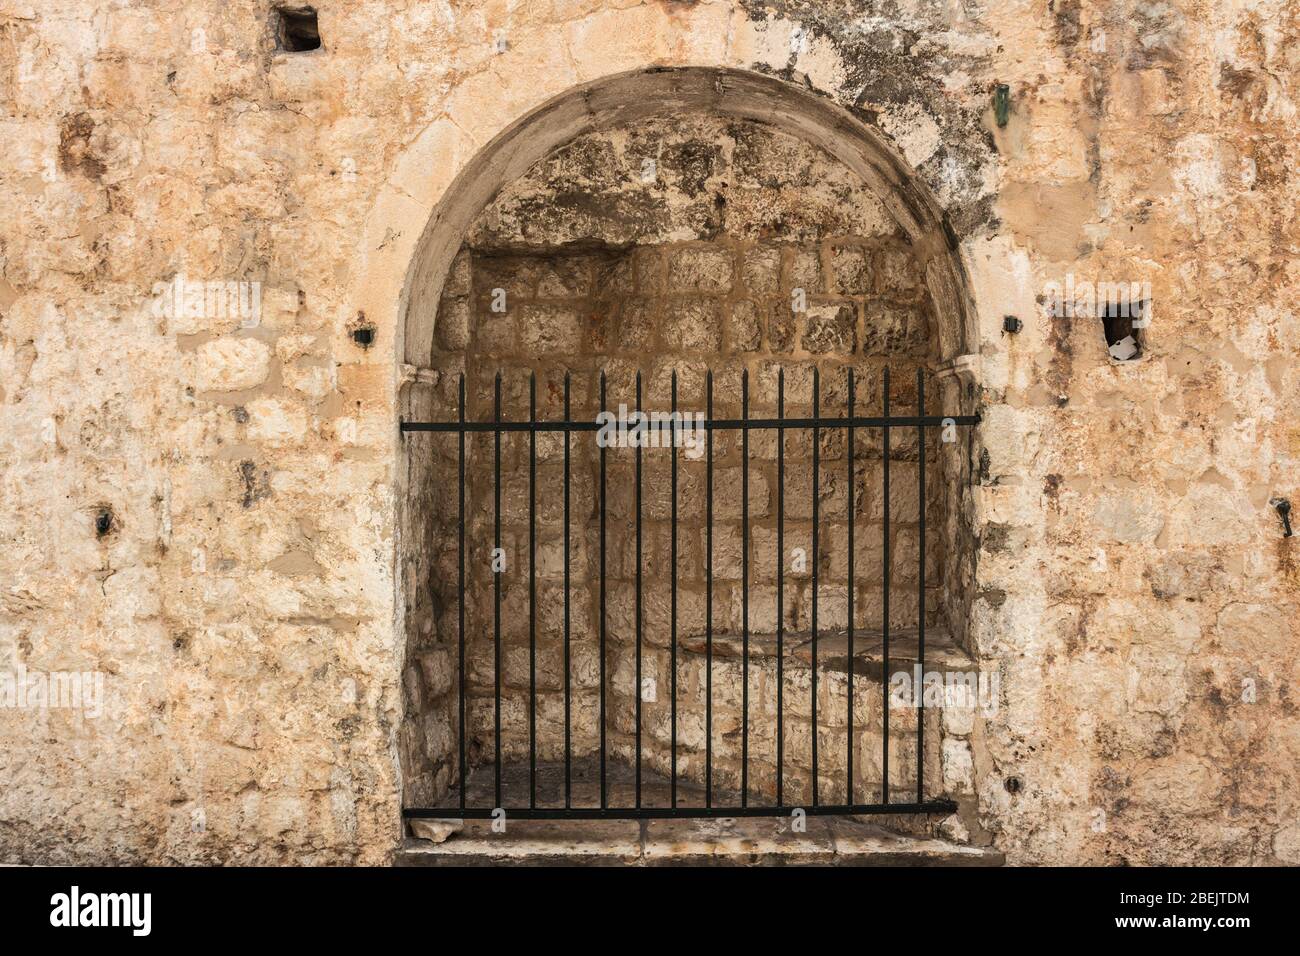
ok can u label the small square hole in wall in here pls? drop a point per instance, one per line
(296, 29)
(1122, 324)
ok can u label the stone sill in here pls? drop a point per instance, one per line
(828, 841)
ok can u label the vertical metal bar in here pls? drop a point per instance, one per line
(568, 671)
(460, 601)
(638, 598)
(744, 590)
(496, 580)
(780, 590)
(884, 669)
(604, 800)
(920, 587)
(816, 496)
(532, 590)
(708, 606)
(852, 499)
(672, 651)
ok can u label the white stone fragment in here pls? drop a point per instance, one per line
(436, 831)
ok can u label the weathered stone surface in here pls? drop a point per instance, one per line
(261, 643)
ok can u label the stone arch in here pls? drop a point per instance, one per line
(614, 102)
(632, 96)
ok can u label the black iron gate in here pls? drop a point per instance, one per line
(850, 422)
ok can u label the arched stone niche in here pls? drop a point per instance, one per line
(622, 102)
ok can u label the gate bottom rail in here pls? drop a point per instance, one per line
(663, 813)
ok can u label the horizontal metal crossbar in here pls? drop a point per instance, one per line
(716, 424)
(666, 813)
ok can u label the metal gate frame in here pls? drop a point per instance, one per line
(745, 424)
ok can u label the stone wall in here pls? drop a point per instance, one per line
(209, 514)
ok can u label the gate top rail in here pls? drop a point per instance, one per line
(714, 424)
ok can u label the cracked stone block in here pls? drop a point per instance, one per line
(564, 278)
(780, 324)
(851, 270)
(700, 270)
(550, 328)
(745, 330)
(452, 327)
(891, 330)
(516, 275)
(898, 272)
(637, 324)
(831, 329)
(804, 271)
(692, 324)
(762, 270)
(648, 267)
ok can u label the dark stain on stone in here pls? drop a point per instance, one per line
(1284, 700)
(1285, 558)
(1159, 36)
(256, 487)
(1233, 81)
(1061, 367)
(694, 163)
(1213, 693)
(1052, 490)
(996, 537)
(76, 153)
(1272, 164)
(1065, 15)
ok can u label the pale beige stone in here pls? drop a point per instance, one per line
(276, 421)
(231, 364)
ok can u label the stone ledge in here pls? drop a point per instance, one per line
(754, 841)
(832, 649)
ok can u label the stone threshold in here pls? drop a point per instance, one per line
(748, 841)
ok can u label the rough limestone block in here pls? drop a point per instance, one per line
(231, 364)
